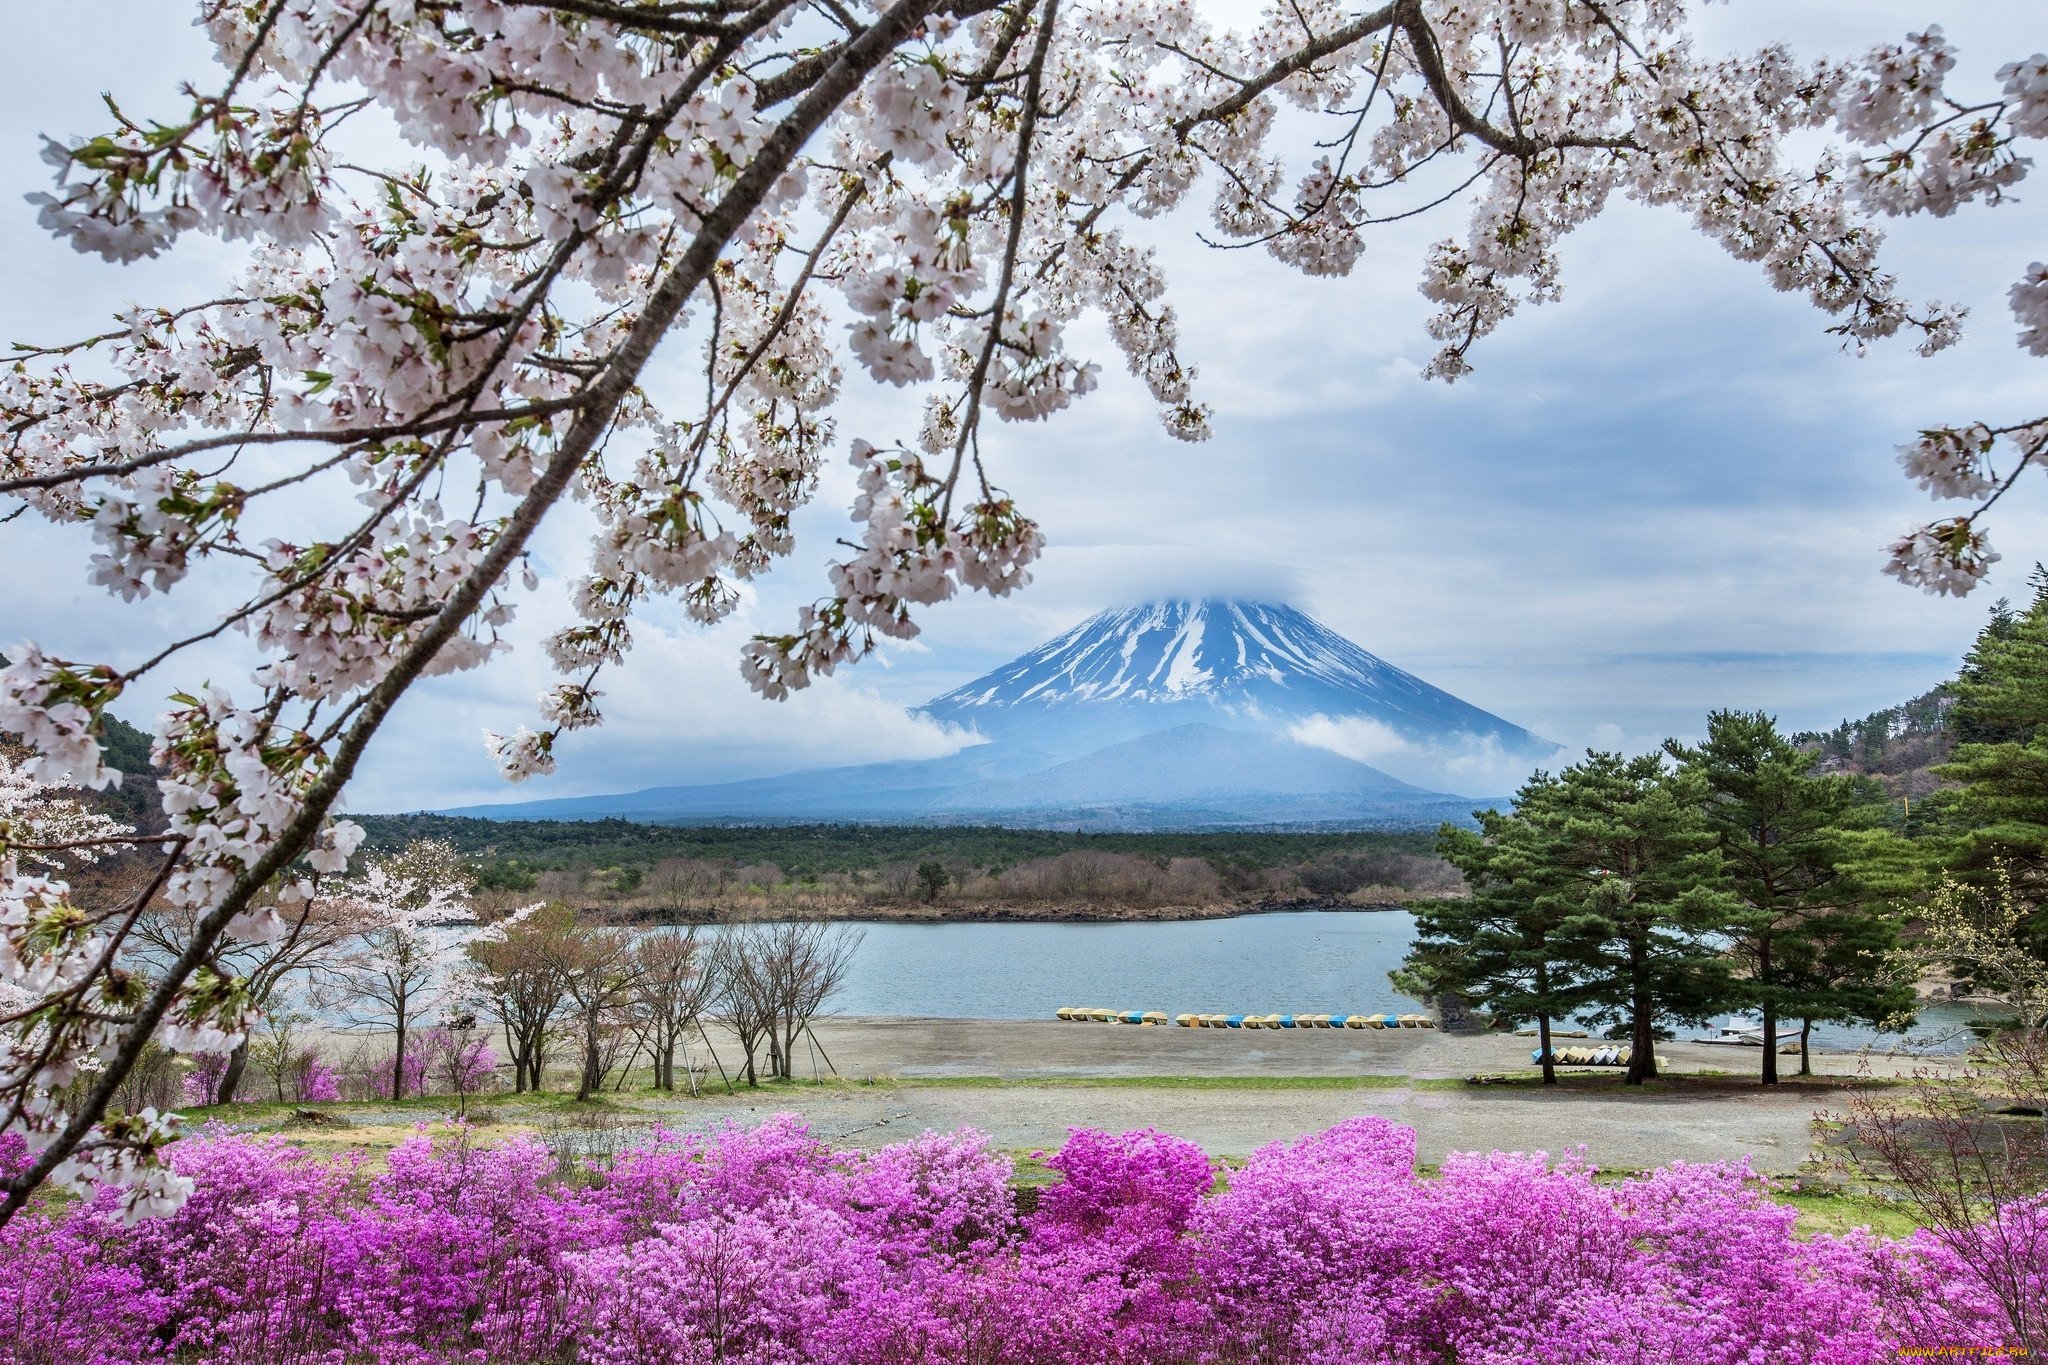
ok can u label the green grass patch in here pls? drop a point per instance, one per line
(1828, 1211)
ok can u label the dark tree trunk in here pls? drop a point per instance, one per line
(518, 1056)
(1642, 1040)
(238, 1062)
(1805, 1054)
(1543, 1042)
(1770, 1011)
(591, 1075)
(398, 1059)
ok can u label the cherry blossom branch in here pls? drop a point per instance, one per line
(593, 420)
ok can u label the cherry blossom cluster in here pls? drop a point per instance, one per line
(766, 1247)
(360, 434)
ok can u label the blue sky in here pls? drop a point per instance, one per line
(1668, 492)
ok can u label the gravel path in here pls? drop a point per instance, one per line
(1615, 1131)
(1709, 1122)
(1034, 1049)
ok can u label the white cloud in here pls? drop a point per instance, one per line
(1464, 763)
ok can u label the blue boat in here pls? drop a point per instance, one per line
(1233, 1021)
(1286, 1021)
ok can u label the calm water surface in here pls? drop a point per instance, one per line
(1314, 961)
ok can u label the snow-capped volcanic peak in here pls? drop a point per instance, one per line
(1178, 651)
(1248, 666)
(1175, 651)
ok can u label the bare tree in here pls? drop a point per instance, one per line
(674, 986)
(680, 885)
(319, 931)
(520, 983)
(601, 974)
(808, 963)
(774, 977)
(278, 1047)
(741, 991)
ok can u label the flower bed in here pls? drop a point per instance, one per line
(765, 1247)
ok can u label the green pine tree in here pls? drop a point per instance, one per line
(1497, 947)
(1997, 812)
(1806, 935)
(1642, 899)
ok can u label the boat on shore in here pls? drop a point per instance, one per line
(1747, 1031)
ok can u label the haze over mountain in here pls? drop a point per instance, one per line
(1174, 714)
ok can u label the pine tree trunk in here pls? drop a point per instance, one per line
(1805, 1054)
(1543, 1042)
(1642, 1054)
(238, 1061)
(1770, 1011)
(1770, 1041)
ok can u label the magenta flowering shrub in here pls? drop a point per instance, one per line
(766, 1247)
(316, 1083)
(201, 1085)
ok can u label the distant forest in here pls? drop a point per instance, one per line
(1901, 745)
(1898, 745)
(693, 868)
(802, 850)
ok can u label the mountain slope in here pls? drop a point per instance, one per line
(1239, 665)
(1188, 764)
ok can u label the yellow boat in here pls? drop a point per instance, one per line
(1184, 1020)
(1155, 1017)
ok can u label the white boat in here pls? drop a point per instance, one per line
(1747, 1031)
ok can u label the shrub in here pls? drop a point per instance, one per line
(766, 1247)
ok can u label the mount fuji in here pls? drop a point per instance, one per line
(1251, 666)
(1175, 714)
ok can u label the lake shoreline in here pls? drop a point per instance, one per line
(1026, 914)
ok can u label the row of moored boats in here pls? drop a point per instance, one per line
(1157, 1018)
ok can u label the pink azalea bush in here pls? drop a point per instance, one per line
(767, 1247)
(201, 1085)
(316, 1083)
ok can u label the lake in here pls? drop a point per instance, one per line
(1312, 961)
